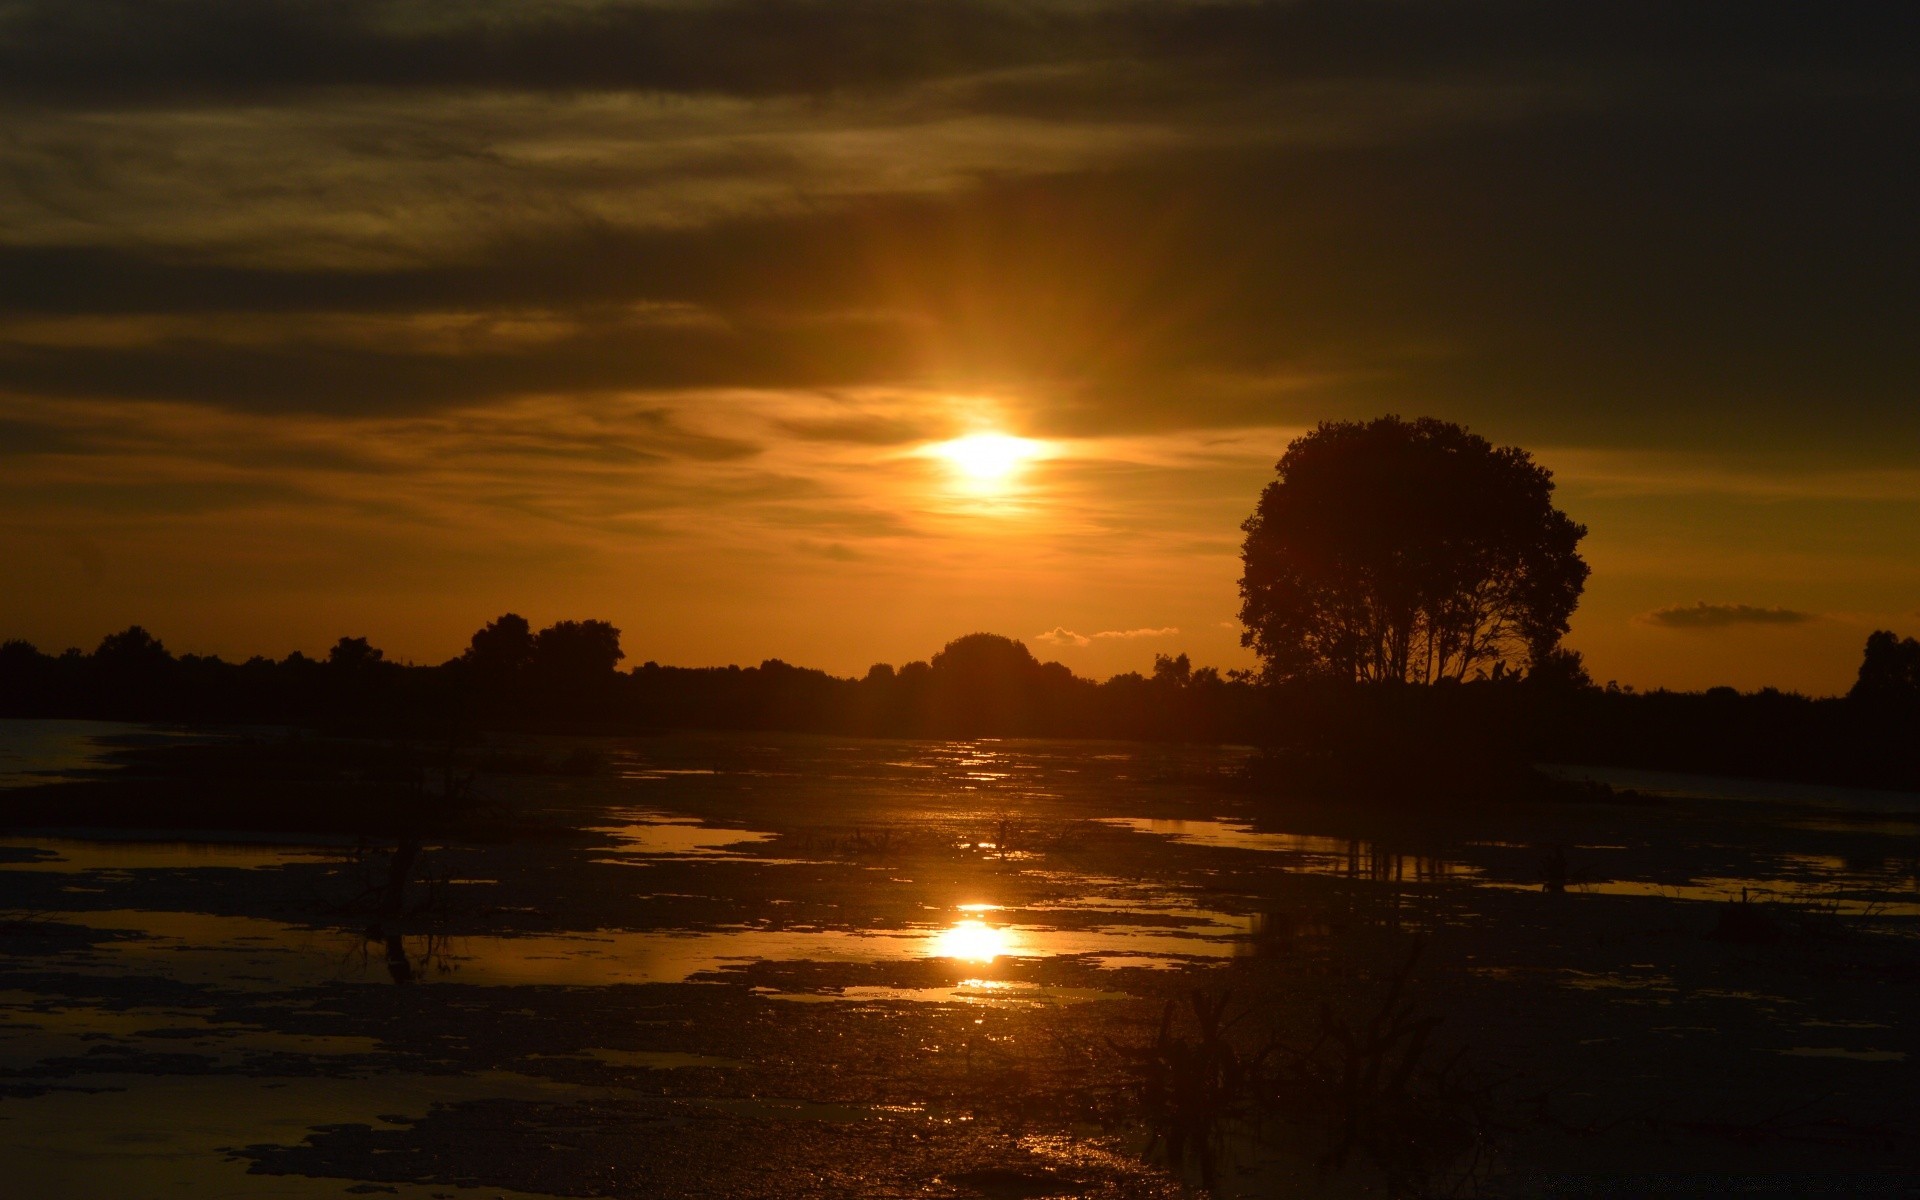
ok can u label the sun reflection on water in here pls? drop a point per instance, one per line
(973, 940)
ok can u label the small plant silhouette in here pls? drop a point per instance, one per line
(1364, 1089)
(1425, 1128)
(1190, 1088)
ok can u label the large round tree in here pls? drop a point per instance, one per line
(1407, 551)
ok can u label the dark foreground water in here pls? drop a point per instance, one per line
(758, 966)
(34, 752)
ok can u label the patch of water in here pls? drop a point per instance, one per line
(131, 852)
(1683, 786)
(34, 751)
(158, 1136)
(644, 834)
(1311, 853)
(657, 774)
(991, 993)
(1843, 895)
(1593, 981)
(1843, 1052)
(1880, 827)
(256, 954)
(780, 1108)
(646, 1060)
(1743, 996)
(36, 1032)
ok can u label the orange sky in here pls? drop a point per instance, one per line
(396, 316)
(237, 534)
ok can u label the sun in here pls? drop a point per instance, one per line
(986, 459)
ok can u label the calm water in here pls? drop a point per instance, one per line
(225, 991)
(38, 751)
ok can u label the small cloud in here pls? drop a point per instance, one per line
(1059, 635)
(1702, 615)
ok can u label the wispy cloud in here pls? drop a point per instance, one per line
(1650, 473)
(1060, 635)
(1702, 615)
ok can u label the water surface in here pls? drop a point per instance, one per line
(729, 918)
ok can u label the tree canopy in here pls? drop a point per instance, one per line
(1889, 669)
(1416, 551)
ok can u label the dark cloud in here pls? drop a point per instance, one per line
(122, 51)
(1588, 278)
(133, 51)
(20, 438)
(1702, 615)
(151, 499)
(1618, 223)
(298, 376)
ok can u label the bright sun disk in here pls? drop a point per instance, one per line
(986, 457)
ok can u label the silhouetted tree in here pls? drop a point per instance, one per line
(502, 650)
(574, 666)
(1560, 668)
(578, 650)
(984, 683)
(1889, 669)
(132, 671)
(356, 687)
(15, 653)
(28, 680)
(1406, 551)
(494, 673)
(354, 654)
(132, 649)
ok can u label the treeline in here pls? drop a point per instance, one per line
(1400, 736)
(567, 678)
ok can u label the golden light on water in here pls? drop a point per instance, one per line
(987, 461)
(973, 940)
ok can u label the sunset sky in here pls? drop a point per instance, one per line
(384, 317)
